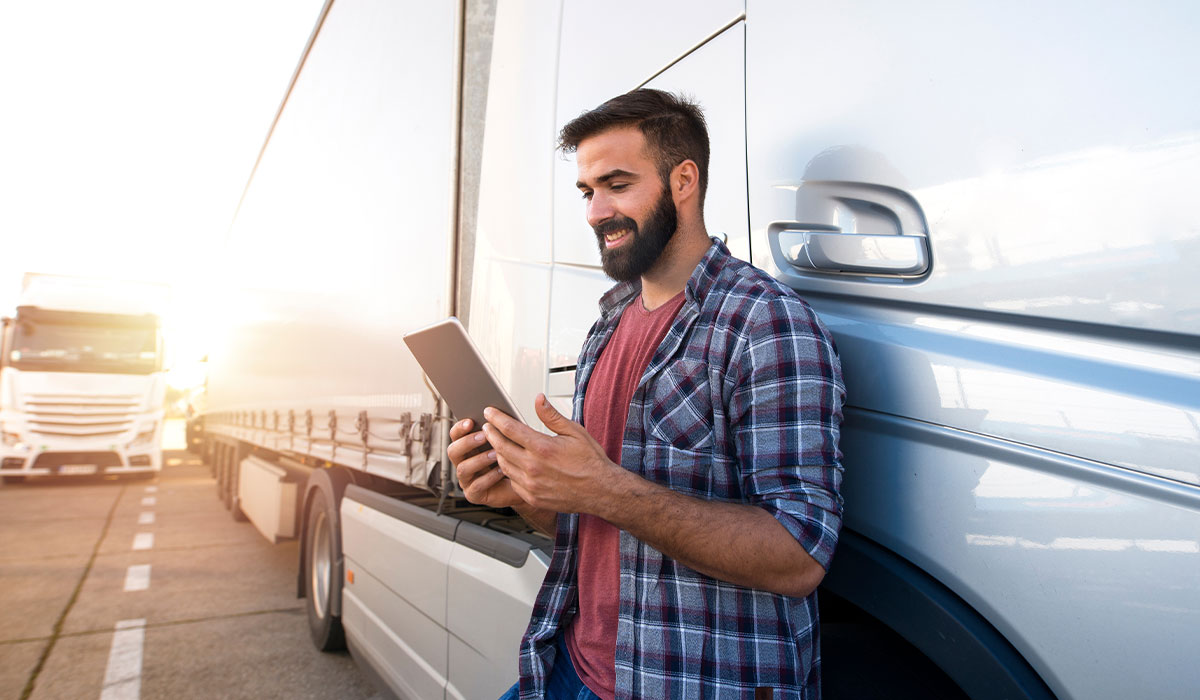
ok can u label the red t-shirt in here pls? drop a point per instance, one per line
(592, 637)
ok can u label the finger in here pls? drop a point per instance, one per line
(460, 429)
(501, 442)
(551, 417)
(517, 485)
(482, 483)
(463, 447)
(472, 468)
(513, 429)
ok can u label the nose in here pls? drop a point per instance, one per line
(599, 209)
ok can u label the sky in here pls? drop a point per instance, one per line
(128, 130)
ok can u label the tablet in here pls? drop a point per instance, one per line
(458, 371)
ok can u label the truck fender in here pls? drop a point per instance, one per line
(933, 619)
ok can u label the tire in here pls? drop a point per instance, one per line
(228, 479)
(323, 573)
(231, 482)
(239, 515)
(219, 453)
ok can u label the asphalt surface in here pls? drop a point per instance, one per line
(211, 610)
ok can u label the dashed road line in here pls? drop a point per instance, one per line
(149, 500)
(143, 540)
(123, 677)
(146, 518)
(137, 577)
(31, 683)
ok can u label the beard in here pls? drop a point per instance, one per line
(646, 245)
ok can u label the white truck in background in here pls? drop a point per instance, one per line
(82, 382)
(989, 206)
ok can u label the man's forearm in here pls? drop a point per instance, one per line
(544, 521)
(733, 542)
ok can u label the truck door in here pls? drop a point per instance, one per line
(988, 206)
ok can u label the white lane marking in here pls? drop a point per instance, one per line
(149, 500)
(151, 489)
(146, 518)
(123, 677)
(137, 577)
(143, 540)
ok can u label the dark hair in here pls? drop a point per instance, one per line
(672, 125)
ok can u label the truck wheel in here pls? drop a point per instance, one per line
(323, 577)
(219, 469)
(231, 486)
(239, 515)
(229, 477)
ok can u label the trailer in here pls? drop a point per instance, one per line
(997, 235)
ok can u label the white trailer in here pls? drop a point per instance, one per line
(82, 381)
(954, 192)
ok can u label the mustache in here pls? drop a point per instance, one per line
(614, 225)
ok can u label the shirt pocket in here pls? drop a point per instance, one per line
(681, 412)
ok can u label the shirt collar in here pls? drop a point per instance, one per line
(701, 280)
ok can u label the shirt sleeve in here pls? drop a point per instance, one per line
(786, 413)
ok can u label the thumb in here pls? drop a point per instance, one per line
(550, 416)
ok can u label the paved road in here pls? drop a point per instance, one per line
(148, 589)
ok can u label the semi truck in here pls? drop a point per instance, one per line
(987, 204)
(82, 381)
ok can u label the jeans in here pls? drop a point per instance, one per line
(563, 683)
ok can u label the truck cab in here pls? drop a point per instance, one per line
(81, 387)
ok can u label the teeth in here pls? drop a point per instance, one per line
(615, 235)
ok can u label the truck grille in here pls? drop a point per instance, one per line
(73, 415)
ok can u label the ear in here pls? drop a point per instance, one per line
(685, 182)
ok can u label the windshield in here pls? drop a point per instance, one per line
(76, 343)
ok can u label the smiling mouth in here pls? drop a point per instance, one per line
(615, 238)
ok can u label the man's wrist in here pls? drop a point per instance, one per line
(618, 495)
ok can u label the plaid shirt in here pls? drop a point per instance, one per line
(742, 402)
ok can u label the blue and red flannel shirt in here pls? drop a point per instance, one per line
(742, 402)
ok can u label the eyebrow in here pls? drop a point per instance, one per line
(606, 177)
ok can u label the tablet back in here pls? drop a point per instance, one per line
(458, 371)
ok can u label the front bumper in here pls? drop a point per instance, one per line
(48, 461)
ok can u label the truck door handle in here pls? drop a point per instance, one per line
(853, 227)
(831, 251)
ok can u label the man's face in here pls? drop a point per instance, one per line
(629, 207)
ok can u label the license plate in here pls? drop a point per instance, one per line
(77, 469)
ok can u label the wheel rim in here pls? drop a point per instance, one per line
(322, 565)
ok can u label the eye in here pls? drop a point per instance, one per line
(619, 186)
(586, 194)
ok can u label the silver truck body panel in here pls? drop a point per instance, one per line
(1022, 420)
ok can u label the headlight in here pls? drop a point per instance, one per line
(146, 436)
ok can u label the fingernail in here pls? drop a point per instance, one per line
(487, 413)
(479, 437)
(491, 454)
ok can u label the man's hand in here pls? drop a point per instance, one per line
(567, 472)
(475, 463)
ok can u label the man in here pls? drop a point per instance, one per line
(696, 514)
